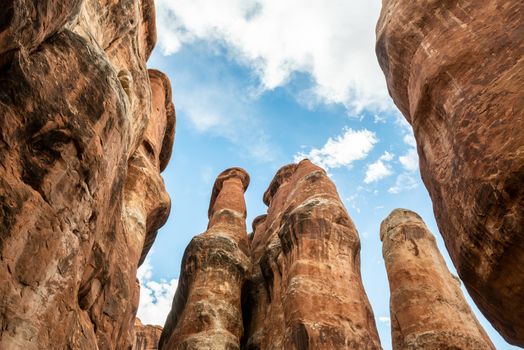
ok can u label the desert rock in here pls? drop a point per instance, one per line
(305, 290)
(207, 312)
(428, 309)
(146, 336)
(456, 71)
(82, 129)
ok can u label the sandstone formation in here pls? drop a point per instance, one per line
(82, 144)
(455, 69)
(305, 291)
(207, 311)
(146, 336)
(296, 285)
(428, 309)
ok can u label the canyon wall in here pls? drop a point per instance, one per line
(86, 131)
(428, 309)
(455, 69)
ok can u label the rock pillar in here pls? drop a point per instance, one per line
(428, 309)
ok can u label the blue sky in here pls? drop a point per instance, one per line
(259, 84)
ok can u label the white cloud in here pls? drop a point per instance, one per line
(380, 169)
(377, 171)
(409, 138)
(155, 297)
(404, 182)
(215, 103)
(384, 319)
(342, 150)
(387, 156)
(332, 41)
(410, 160)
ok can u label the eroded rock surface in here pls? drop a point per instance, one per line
(305, 291)
(456, 70)
(206, 312)
(146, 336)
(82, 138)
(428, 309)
(293, 284)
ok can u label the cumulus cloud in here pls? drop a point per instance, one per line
(342, 150)
(384, 319)
(332, 41)
(380, 169)
(156, 297)
(410, 160)
(217, 104)
(404, 182)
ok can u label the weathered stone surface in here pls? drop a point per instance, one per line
(76, 103)
(456, 70)
(305, 290)
(428, 309)
(146, 336)
(206, 312)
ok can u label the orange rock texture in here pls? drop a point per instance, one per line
(305, 291)
(296, 286)
(455, 70)
(146, 336)
(86, 130)
(428, 309)
(207, 311)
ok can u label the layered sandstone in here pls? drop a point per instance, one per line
(305, 291)
(455, 69)
(428, 309)
(206, 312)
(146, 336)
(83, 139)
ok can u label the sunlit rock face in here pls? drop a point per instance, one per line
(77, 107)
(294, 283)
(455, 70)
(428, 309)
(305, 290)
(146, 336)
(206, 312)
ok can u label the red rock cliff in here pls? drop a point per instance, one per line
(428, 309)
(84, 126)
(455, 69)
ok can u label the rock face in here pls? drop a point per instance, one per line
(83, 139)
(207, 311)
(428, 309)
(297, 286)
(305, 291)
(146, 336)
(455, 69)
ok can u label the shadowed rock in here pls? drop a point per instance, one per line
(428, 309)
(455, 69)
(206, 312)
(76, 103)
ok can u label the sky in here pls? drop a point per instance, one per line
(263, 83)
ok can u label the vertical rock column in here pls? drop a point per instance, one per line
(428, 309)
(456, 71)
(308, 251)
(206, 312)
(146, 336)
